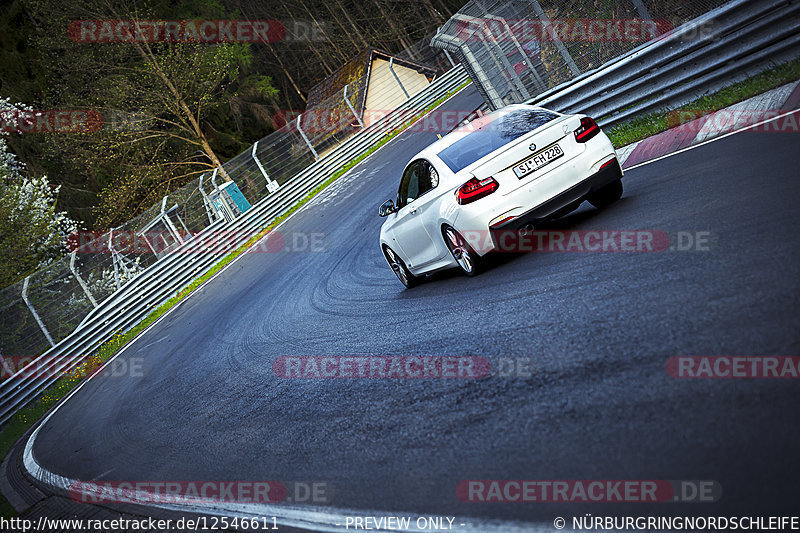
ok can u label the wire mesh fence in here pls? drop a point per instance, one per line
(44, 308)
(517, 49)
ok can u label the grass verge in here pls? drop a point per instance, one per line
(29, 415)
(653, 123)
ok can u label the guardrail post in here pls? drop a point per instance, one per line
(118, 260)
(168, 222)
(396, 77)
(353, 109)
(551, 31)
(272, 185)
(641, 9)
(34, 313)
(214, 179)
(310, 147)
(80, 280)
(113, 257)
(210, 211)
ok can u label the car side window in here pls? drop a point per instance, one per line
(428, 177)
(409, 185)
(419, 178)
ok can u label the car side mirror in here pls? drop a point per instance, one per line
(386, 208)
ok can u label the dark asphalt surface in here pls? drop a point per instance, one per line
(598, 328)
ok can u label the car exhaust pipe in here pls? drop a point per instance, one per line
(527, 229)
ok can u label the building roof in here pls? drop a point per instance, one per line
(355, 74)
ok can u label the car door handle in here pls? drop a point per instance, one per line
(412, 210)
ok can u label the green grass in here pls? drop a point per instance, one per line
(646, 125)
(16, 427)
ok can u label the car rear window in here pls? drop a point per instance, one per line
(498, 131)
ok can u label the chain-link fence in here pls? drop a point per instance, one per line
(44, 308)
(517, 49)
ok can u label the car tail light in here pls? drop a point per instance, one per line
(501, 222)
(587, 130)
(604, 165)
(476, 189)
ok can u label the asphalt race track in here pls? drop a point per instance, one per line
(598, 329)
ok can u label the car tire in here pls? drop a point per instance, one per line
(468, 260)
(399, 268)
(606, 195)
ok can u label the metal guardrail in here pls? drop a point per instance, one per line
(727, 44)
(140, 296)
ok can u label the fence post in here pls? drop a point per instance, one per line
(210, 211)
(520, 49)
(353, 109)
(310, 147)
(641, 9)
(449, 57)
(513, 79)
(551, 31)
(272, 185)
(396, 77)
(446, 53)
(80, 280)
(118, 260)
(472, 64)
(168, 221)
(113, 257)
(34, 313)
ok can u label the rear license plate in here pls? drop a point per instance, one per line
(538, 160)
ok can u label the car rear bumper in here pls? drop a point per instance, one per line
(550, 208)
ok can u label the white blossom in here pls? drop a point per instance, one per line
(30, 201)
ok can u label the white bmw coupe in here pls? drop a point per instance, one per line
(506, 171)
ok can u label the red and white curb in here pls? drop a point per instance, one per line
(777, 110)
